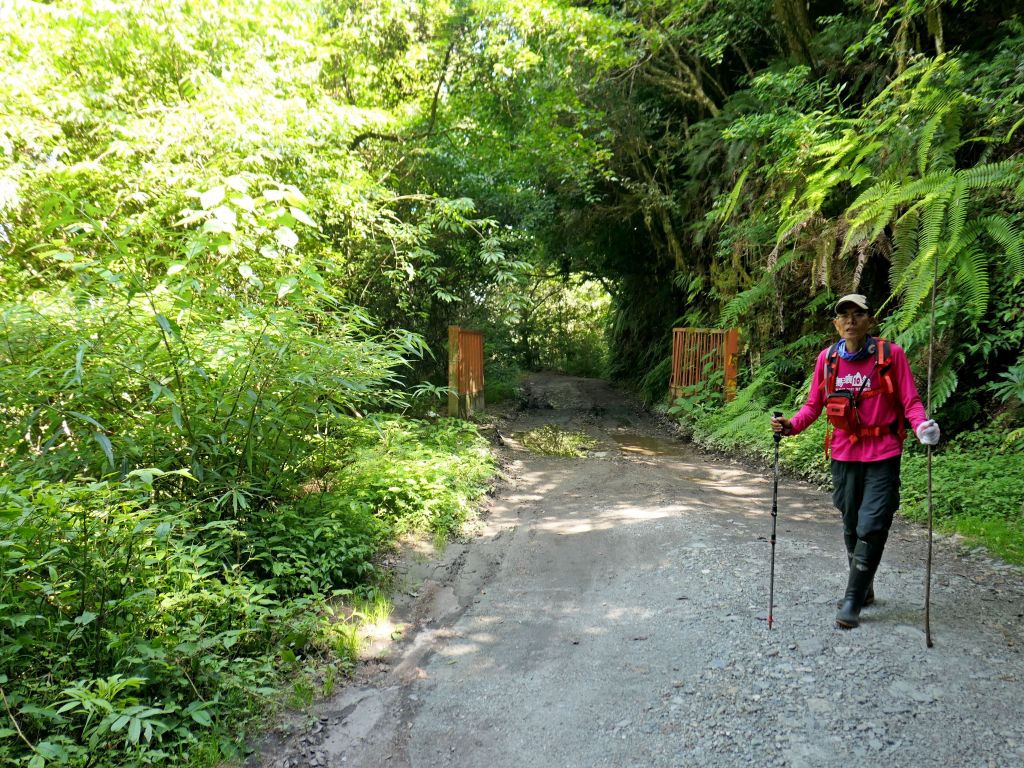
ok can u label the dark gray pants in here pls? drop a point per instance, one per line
(867, 493)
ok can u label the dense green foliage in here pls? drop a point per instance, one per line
(232, 230)
(192, 489)
(135, 619)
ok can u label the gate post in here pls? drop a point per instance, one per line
(465, 372)
(453, 370)
(732, 347)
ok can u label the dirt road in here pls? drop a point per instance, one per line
(608, 612)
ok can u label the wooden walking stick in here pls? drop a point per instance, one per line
(928, 409)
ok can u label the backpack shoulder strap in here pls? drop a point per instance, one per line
(831, 368)
(883, 362)
(828, 384)
(884, 353)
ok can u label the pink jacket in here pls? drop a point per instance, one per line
(879, 409)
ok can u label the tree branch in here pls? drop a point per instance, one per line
(366, 135)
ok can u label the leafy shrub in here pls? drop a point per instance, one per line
(1012, 388)
(143, 627)
(551, 440)
(125, 630)
(705, 395)
(320, 545)
(414, 475)
(501, 383)
(977, 489)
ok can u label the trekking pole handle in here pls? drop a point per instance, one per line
(777, 436)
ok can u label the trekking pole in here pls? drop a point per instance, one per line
(775, 516)
(928, 408)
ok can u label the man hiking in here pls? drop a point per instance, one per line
(865, 386)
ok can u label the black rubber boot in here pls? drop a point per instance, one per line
(869, 598)
(866, 556)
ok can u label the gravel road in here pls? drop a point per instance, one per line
(608, 611)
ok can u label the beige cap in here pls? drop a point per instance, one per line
(857, 299)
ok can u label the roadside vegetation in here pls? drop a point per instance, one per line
(208, 445)
(551, 440)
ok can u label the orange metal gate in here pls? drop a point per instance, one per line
(465, 371)
(700, 352)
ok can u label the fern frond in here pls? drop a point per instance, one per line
(911, 335)
(968, 237)
(727, 432)
(836, 149)
(916, 288)
(790, 226)
(868, 149)
(915, 283)
(727, 210)
(883, 99)
(876, 210)
(877, 191)
(934, 186)
(744, 301)
(1010, 240)
(820, 184)
(998, 174)
(860, 173)
(935, 97)
(932, 220)
(943, 154)
(905, 239)
(944, 383)
(972, 281)
(957, 215)
(925, 144)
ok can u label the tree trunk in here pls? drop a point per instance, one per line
(795, 21)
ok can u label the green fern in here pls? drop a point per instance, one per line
(972, 278)
(994, 175)
(957, 212)
(944, 383)
(905, 237)
(932, 223)
(900, 157)
(727, 210)
(925, 145)
(746, 300)
(1009, 239)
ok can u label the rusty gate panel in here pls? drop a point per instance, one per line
(693, 349)
(465, 372)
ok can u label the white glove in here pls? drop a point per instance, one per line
(928, 432)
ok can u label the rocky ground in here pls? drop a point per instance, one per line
(609, 611)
